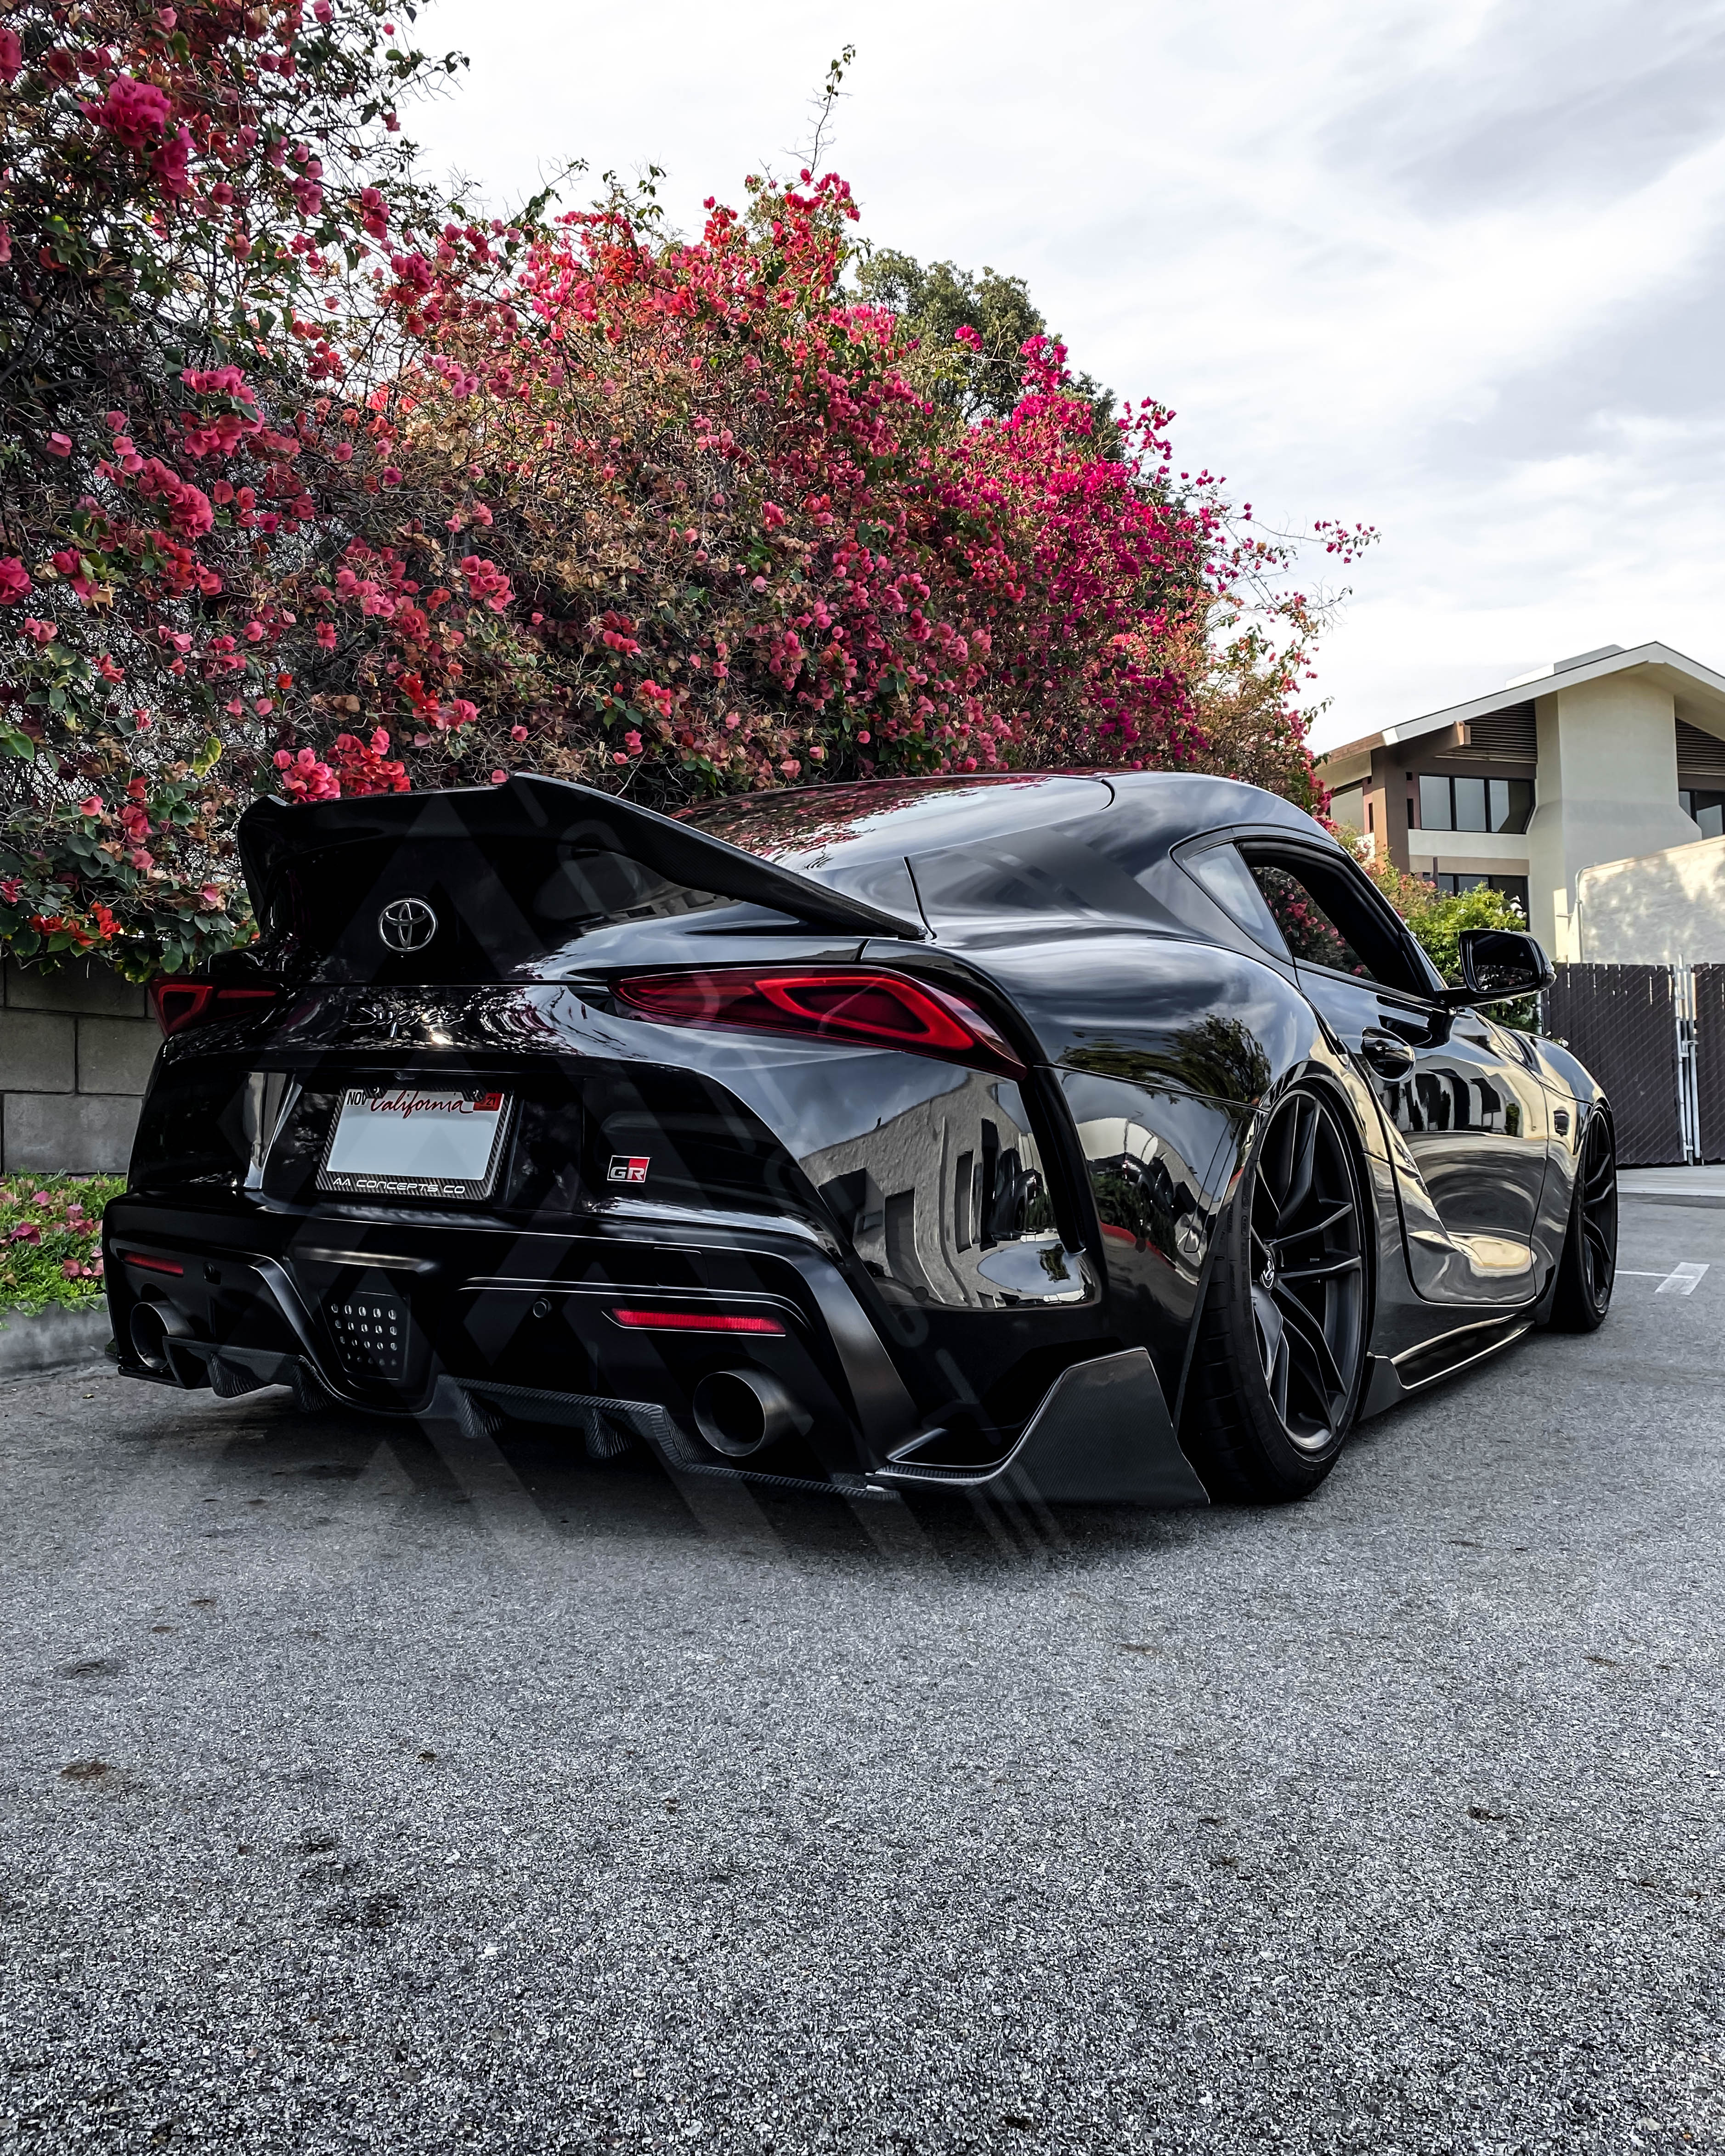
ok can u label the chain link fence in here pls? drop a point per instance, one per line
(1624, 1023)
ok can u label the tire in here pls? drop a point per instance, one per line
(1281, 1356)
(1586, 1268)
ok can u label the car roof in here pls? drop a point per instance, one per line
(844, 827)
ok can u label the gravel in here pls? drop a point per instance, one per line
(363, 1790)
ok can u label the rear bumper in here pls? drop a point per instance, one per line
(477, 1322)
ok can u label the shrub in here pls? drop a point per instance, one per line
(51, 1240)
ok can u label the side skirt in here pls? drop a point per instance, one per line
(1393, 1379)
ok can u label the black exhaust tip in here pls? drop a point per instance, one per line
(739, 1412)
(149, 1337)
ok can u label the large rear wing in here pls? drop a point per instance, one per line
(334, 858)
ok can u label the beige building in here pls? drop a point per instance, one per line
(1613, 756)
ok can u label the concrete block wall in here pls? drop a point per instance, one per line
(76, 1048)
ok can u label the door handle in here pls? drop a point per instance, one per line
(1388, 1054)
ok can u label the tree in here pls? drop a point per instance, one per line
(968, 336)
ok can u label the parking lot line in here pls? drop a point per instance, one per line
(1681, 1280)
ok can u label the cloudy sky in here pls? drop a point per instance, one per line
(1448, 267)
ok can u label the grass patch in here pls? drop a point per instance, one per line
(51, 1240)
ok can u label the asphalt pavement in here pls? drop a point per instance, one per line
(362, 1789)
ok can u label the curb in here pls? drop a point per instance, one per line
(50, 1338)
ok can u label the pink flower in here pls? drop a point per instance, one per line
(12, 54)
(70, 1268)
(59, 445)
(190, 506)
(39, 632)
(26, 1231)
(518, 733)
(305, 778)
(211, 899)
(43, 1197)
(14, 580)
(91, 806)
(172, 163)
(133, 112)
(632, 742)
(498, 777)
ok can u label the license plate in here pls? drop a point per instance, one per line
(412, 1141)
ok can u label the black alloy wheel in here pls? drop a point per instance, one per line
(1276, 1381)
(1308, 1272)
(1588, 1266)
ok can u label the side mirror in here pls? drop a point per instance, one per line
(1498, 964)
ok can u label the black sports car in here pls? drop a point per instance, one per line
(1081, 1137)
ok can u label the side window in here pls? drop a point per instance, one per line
(1329, 916)
(1311, 935)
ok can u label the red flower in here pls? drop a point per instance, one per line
(14, 580)
(133, 112)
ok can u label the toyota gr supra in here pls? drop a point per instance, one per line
(1080, 1138)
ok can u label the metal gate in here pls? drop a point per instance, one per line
(1622, 1021)
(1710, 1061)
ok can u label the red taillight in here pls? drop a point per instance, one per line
(887, 1010)
(694, 1321)
(180, 1003)
(152, 1264)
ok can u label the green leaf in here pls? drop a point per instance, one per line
(208, 756)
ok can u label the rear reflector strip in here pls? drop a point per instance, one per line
(152, 1264)
(694, 1321)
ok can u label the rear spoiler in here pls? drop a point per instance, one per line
(273, 833)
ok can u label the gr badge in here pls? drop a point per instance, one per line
(627, 1168)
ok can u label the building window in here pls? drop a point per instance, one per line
(1347, 809)
(1449, 882)
(1474, 804)
(1708, 810)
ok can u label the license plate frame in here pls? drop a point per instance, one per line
(457, 1152)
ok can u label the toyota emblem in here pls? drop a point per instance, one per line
(407, 924)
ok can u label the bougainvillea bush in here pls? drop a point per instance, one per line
(190, 199)
(51, 1240)
(317, 485)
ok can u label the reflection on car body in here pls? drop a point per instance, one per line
(1086, 1137)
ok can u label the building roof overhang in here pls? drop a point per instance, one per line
(1699, 694)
